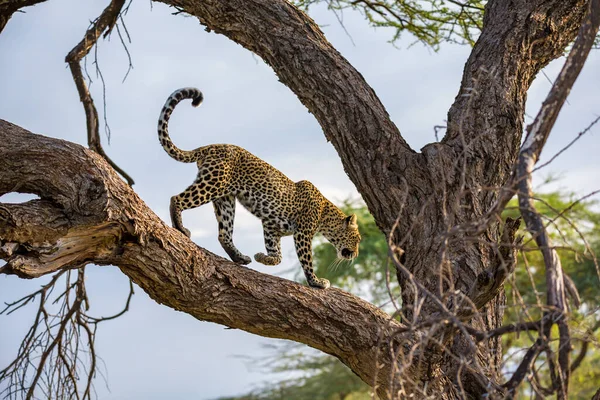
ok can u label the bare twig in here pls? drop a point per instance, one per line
(54, 356)
(571, 143)
(511, 328)
(104, 23)
(524, 367)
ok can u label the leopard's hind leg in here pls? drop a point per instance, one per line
(211, 184)
(225, 213)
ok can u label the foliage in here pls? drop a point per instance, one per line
(429, 21)
(314, 376)
(574, 227)
(571, 224)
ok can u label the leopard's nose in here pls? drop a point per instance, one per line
(346, 253)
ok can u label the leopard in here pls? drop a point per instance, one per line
(227, 173)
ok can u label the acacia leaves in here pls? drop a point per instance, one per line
(431, 22)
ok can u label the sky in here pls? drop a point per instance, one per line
(153, 352)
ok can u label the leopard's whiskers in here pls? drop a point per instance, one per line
(334, 264)
(340, 262)
(331, 265)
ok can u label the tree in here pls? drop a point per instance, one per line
(439, 208)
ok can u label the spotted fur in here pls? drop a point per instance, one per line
(227, 172)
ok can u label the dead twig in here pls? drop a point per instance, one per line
(57, 356)
(104, 23)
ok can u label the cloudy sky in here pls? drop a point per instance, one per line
(154, 352)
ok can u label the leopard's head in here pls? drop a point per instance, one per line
(346, 238)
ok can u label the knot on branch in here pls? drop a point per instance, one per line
(490, 281)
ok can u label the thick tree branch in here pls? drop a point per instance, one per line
(105, 213)
(539, 130)
(9, 7)
(517, 41)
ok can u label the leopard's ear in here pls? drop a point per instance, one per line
(351, 222)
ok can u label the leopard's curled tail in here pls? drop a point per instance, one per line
(163, 122)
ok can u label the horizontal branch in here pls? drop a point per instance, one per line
(503, 330)
(85, 202)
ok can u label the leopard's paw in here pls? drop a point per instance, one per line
(320, 283)
(242, 260)
(267, 260)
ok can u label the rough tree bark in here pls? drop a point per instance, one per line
(90, 215)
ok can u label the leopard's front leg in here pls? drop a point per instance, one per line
(303, 242)
(273, 246)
